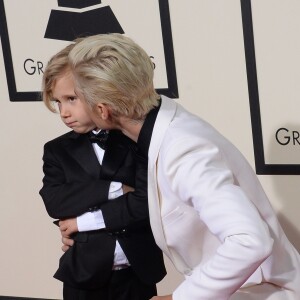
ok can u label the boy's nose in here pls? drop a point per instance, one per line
(64, 112)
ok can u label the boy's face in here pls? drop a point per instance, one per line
(74, 112)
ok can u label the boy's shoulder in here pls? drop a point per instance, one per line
(64, 137)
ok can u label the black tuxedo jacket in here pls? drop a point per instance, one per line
(74, 182)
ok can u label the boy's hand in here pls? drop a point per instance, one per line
(67, 243)
(127, 188)
(67, 227)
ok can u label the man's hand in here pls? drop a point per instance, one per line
(168, 297)
(67, 243)
(127, 188)
(67, 227)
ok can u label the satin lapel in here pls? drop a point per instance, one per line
(164, 117)
(155, 213)
(116, 151)
(83, 152)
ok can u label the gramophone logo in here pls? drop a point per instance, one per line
(67, 25)
(33, 30)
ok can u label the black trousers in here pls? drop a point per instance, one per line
(123, 285)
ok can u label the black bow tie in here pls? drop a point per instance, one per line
(99, 138)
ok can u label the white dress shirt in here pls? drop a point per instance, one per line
(94, 220)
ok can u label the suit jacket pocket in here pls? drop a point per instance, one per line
(88, 263)
(184, 232)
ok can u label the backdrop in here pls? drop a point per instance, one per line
(198, 48)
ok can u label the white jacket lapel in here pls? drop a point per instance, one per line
(164, 117)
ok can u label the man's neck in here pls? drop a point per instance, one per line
(131, 128)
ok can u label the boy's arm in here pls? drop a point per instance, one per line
(94, 220)
(127, 210)
(130, 209)
(90, 220)
(65, 199)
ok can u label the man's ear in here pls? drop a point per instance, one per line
(102, 111)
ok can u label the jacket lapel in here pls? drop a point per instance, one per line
(164, 118)
(80, 148)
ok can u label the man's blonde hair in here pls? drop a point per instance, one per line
(112, 69)
(57, 67)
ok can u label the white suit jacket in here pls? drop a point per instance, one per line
(211, 217)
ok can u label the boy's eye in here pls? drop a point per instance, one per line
(72, 99)
(56, 102)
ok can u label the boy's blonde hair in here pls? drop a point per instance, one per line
(112, 69)
(57, 66)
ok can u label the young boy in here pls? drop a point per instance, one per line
(114, 262)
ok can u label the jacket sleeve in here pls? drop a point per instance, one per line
(197, 172)
(131, 208)
(65, 198)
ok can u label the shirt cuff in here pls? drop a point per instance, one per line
(115, 190)
(90, 221)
